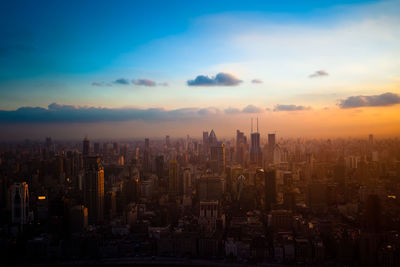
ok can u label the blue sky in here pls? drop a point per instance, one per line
(310, 54)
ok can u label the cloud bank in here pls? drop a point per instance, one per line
(252, 109)
(257, 81)
(221, 79)
(122, 81)
(125, 81)
(57, 113)
(318, 73)
(144, 82)
(290, 108)
(386, 99)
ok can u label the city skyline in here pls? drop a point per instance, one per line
(306, 69)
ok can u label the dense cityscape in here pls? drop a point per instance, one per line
(256, 199)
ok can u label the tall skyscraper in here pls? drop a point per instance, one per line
(239, 138)
(271, 140)
(86, 147)
(160, 166)
(271, 146)
(371, 139)
(270, 189)
(205, 140)
(19, 203)
(212, 139)
(93, 186)
(217, 158)
(96, 148)
(255, 149)
(167, 141)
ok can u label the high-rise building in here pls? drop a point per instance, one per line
(96, 148)
(19, 203)
(271, 140)
(167, 141)
(160, 166)
(270, 147)
(173, 179)
(241, 144)
(217, 158)
(212, 139)
(239, 138)
(371, 221)
(371, 139)
(205, 143)
(255, 149)
(93, 186)
(86, 147)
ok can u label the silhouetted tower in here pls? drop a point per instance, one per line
(205, 143)
(212, 139)
(86, 147)
(270, 189)
(255, 149)
(271, 146)
(93, 187)
(372, 216)
(217, 158)
(19, 203)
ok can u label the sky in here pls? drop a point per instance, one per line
(120, 69)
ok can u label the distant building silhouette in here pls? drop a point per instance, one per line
(86, 147)
(93, 186)
(19, 203)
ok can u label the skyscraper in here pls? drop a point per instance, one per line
(93, 186)
(270, 189)
(239, 138)
(96, 148)
(241, 144)
(217, 158)
(205, 142)
(19, 203)
(212, 139)
(271, 146)
(160, 166)
(271, 140)
(86, 147)
(255, 149)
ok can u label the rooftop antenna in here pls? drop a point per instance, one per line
(257, 124)
(251, 125)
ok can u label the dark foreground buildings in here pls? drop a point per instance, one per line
(202, 201)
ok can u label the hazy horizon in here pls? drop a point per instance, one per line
(312, 69)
